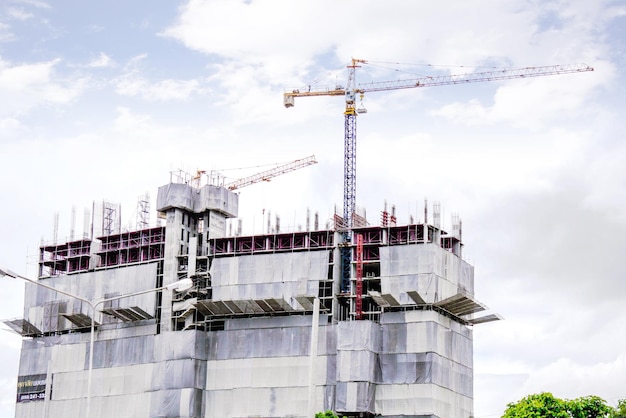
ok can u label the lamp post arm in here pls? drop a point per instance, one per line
(179, 285)
(129, 295)
(9, 273)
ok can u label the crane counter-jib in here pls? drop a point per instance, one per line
(311, 92)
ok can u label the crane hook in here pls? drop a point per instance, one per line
(361, 108)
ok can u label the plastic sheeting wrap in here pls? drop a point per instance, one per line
(358, 335)
(411, 363)
(408, 354)
(134, 405)
(176, 385)
(91, 286)
(427, 268)
(176, 374)
(176, 403)
(251, 343)
(358, 344)
(180, 345)
(261, 276)
(355, 396)
(123, 351)
(421, 400)
(289, 339)
(30, 410)
(248, 402)
(69, 357)
(426, 331)
(426, 368)
(115, 381)
(260, 367)
(357, 366)
(264, 373)
(34, 360)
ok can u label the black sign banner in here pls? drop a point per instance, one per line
(31, 388)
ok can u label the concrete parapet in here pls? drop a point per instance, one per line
(198, 200)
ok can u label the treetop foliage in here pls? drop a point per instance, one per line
(546, 405)
(327, 414)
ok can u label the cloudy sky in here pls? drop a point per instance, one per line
(101, 100)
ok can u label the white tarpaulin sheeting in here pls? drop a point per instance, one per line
(92, 286)
(426, 268)
(420, 400)
(263, 276)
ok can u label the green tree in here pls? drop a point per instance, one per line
(541, 405)
(327, 414)
(589, 407)
(620, 411)
(545, 405)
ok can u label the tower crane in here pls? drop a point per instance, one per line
(267, 175)
(215, 178)
(352, 89)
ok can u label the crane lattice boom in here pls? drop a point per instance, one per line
(269, 174)
(443, 80)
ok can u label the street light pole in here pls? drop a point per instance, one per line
(179, 286)
(315, 320)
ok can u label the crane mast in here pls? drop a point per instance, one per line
(350, 92)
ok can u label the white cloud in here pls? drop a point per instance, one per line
(36, 3)
(533, 103)
(28, 85)
(9, 127)
(102, 61)
(262, 47)
(18, 14)
(96, 28)
(128, 121)
(6, 35)
(133, 84)
(25, 76)
(575, 379)
(285, 38)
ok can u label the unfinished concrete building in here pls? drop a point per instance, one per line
(247, 340)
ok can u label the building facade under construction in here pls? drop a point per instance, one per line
(272, 327)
